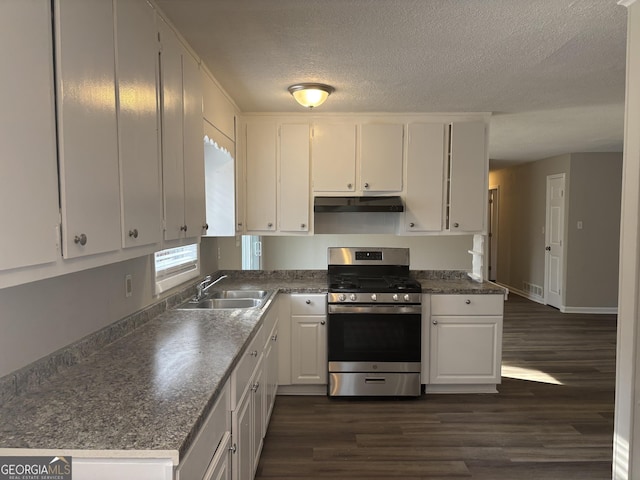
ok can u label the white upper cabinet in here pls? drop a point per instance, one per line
(337, 166)
(261, 176)
(138, 122)
(294, 178)
(28, 171)
(182, 139)
(87, 128)
(195, 209)
(425, 177)
(381, 157)
(468, 187)
(333, 153)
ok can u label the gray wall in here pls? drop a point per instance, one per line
(39, 318)
(591, 274)
(427, 253)
(593, 252)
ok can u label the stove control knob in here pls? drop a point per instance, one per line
(406, 297)
(342, 297)
(353, 297)
(395, 297)
(374, 297)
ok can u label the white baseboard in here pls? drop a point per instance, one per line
(563, 308)
(591, 310)
(528, 296)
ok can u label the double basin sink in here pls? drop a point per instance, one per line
(225, 299)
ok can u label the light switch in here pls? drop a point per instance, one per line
(579, 225)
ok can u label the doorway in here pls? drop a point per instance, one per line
(492, 234)
(554, 244)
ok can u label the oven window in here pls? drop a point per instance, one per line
(374, 337)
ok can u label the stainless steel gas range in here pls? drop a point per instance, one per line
(374, 323)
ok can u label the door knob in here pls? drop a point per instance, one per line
(435, 322)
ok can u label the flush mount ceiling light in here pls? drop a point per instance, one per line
(311, 94)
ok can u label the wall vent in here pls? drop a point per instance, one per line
(532, 289)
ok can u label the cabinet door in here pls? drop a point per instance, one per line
(257, 404)
(468, 178)
(308, 349)
(425, 177)
(294, 178)
(271, 367)
(381, 157)
(138, 122)
(333, 153)
(193, 138)
(261, 177)
(465, 349)
(172, 118)
(87, 127)
(242, 429)
(220, 468)
(28, 169)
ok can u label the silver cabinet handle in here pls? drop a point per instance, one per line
(133, 233)
(308, 302)
(349, 186)
(435, 322)
(183, 228)
(269, 224)
(80, 239)
(239, 224)
(456, 225)
(322, 322)
(205, 226)
(254, 353)
(274, 337)
(303, 225)
(255, 387)
(467, 301)
(366, 185)
(233, 448)
(412, 224)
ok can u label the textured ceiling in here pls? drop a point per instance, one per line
(551, 71)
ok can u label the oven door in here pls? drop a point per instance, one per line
(374, 338)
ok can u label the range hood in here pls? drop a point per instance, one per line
(358, 204)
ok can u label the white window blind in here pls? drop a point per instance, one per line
(174, 266)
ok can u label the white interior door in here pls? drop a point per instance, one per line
(554, 241)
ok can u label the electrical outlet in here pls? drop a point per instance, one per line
(579, 225)
(128, 285)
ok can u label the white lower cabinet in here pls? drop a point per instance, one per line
(210, 448)
(253, 390)
(308, 339)
(465, 339)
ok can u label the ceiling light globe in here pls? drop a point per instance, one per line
(310, 95)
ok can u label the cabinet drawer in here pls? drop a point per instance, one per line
(196, 461)
(308, 304)
(467, 304)
(247, 364)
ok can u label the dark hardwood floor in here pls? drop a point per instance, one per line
(552, 418)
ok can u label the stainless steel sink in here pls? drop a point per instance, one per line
(220, 303)
(242, 294)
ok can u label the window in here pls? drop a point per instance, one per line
(174, 266)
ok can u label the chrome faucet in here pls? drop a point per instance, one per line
(204, 285)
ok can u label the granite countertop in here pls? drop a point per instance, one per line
(151, 390)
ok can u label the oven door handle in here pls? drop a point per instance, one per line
(377, 309)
